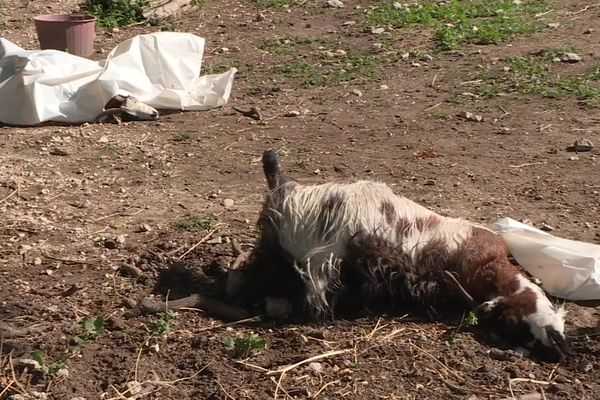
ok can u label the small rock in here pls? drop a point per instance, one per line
(28, 362)
(145, 228)
(315, 366)
(62, 373)
(582, 145)
(384, 87)
(349, 23)
(317, 171)
(570, 57)
(116, 30)
(259, 17)
(228, 204)
(588, 31)
(111, 244)
(37, 261)
(215, 240)
(292, 113)
(115, 323)
(546, 227)
(120, 239)
(539, 197)
(471, 117)
(553, 25)
(585, 366)
(421, 338)
(103, 139)
(133, 387)
(24, 248)
(335, 4)
(49, 272)
(130, 270)
(377, 31)
(400, 6)
(58, 152)
(78, 398)
(573, 158)
(500, 355)
(429, 182)
(357, 92)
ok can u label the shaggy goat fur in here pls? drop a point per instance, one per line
(397, 250)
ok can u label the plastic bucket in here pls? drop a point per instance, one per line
(72, 33)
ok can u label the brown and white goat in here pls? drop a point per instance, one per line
(335, 234)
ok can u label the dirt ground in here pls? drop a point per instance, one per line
(144, 193)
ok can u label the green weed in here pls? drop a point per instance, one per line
(45, 368)
(243, 347)
(278, 3)
(110, 148)
(114, 13)
(197, 222)
(163, 323)
(329, 71)
(532, 75)
(286, 44)
(91, 330)
(459, 22)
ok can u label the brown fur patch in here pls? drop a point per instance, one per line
(484, 268)
(402, 227)
(332, 205)
(428, 223)
(520, 305)
(389, 211)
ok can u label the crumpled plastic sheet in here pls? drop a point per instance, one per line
(567, 269)
(160, 69)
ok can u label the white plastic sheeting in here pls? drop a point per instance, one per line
(567, 268)
(161, 69)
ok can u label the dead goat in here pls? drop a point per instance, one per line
(328, 237)
(126, 108)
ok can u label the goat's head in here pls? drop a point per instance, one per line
(131, 108)
(528, 318)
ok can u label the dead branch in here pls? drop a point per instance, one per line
(7, 332)
(212, 306)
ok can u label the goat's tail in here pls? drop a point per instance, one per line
(271, 167)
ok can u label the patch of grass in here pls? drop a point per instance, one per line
(197, 222)
(163, 323)
(199, 3)
(328, 70)
(182, 137)
(110, 148)
(532, 75)
(278, 3)
(114, 13)
(243, 347)
(286, 44)
(91, 330)
(458, 22)
(46, 368)
(217, 68)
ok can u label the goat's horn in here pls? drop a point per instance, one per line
(461, 290)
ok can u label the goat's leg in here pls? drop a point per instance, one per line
(212, 306)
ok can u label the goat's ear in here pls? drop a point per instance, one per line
(487, 307)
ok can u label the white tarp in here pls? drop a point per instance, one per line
(160, 69)
(567, 268)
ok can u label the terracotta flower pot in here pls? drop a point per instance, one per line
(74, 34)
